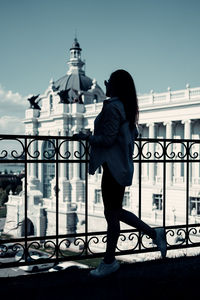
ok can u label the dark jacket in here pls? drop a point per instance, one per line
(113, 142)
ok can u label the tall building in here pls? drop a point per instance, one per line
(62, 113)
(71, 104)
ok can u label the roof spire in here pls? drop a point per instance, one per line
(75, 63)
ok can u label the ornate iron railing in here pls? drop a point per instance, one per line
(30, 151)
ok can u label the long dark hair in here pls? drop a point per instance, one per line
(122, 85)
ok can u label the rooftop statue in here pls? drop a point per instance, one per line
(64, 96)
(32, 102)
(78, 97)
(70, 96)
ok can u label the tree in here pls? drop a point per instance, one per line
(18, 189)
(3, 197)
(7, 184)
(8, 188)
(4, 182)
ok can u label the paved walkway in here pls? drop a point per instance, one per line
(169, 279)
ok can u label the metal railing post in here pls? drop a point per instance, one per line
(86, 198)
(140, 189)
(164, 184)
(25, 204)
(187, 192)
(57, 200)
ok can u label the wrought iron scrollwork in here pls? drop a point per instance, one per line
(11, 250)
(63, 153)
(196, 154)
(12, 153)
(89, 244)
(50, 153)
(66, 243)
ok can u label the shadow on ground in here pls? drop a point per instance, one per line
(177, 278)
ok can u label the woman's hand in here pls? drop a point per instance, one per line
(81, 136)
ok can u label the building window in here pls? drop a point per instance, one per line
(157, 201)
(98, 197)
(51, 101)
(126, 200)
(194, 205)
(48, 175)
(48, 168)
(96, 97)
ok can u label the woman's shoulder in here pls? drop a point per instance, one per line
(114, 101)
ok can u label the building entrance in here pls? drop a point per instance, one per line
(30, 228)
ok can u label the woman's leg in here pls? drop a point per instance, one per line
(158, 235)
(132, 220)
(113, 232)
(112, 194)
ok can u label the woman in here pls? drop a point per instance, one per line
(112, 147)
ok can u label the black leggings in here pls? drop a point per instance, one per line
(113, 194)
(112, 191)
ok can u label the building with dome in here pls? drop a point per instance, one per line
(71, 104)
(62, 113)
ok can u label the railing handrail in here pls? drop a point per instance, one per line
(71, 138)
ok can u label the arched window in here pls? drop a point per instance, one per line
(30, 228)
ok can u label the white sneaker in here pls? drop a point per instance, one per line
(160, 241)
(105, 269)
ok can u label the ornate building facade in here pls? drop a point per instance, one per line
(71, 104)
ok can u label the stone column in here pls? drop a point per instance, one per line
(33, 165)
(77, 184)
(70, 146)
(33, 180)
(34, 194)
(169, 150)
(136, 167)
(187, 135)
(151, 150)
(76, 166)
(136, 153)
(40, 165)
(187, 129)
(63, 150)
(64, 185)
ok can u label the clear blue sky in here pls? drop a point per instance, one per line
(157, 41)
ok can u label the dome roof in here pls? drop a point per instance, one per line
(76, 81)
(75, 45)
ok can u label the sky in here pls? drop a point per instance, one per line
(157, 41)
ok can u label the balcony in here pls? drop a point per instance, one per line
(164, 279)
(71, 235)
